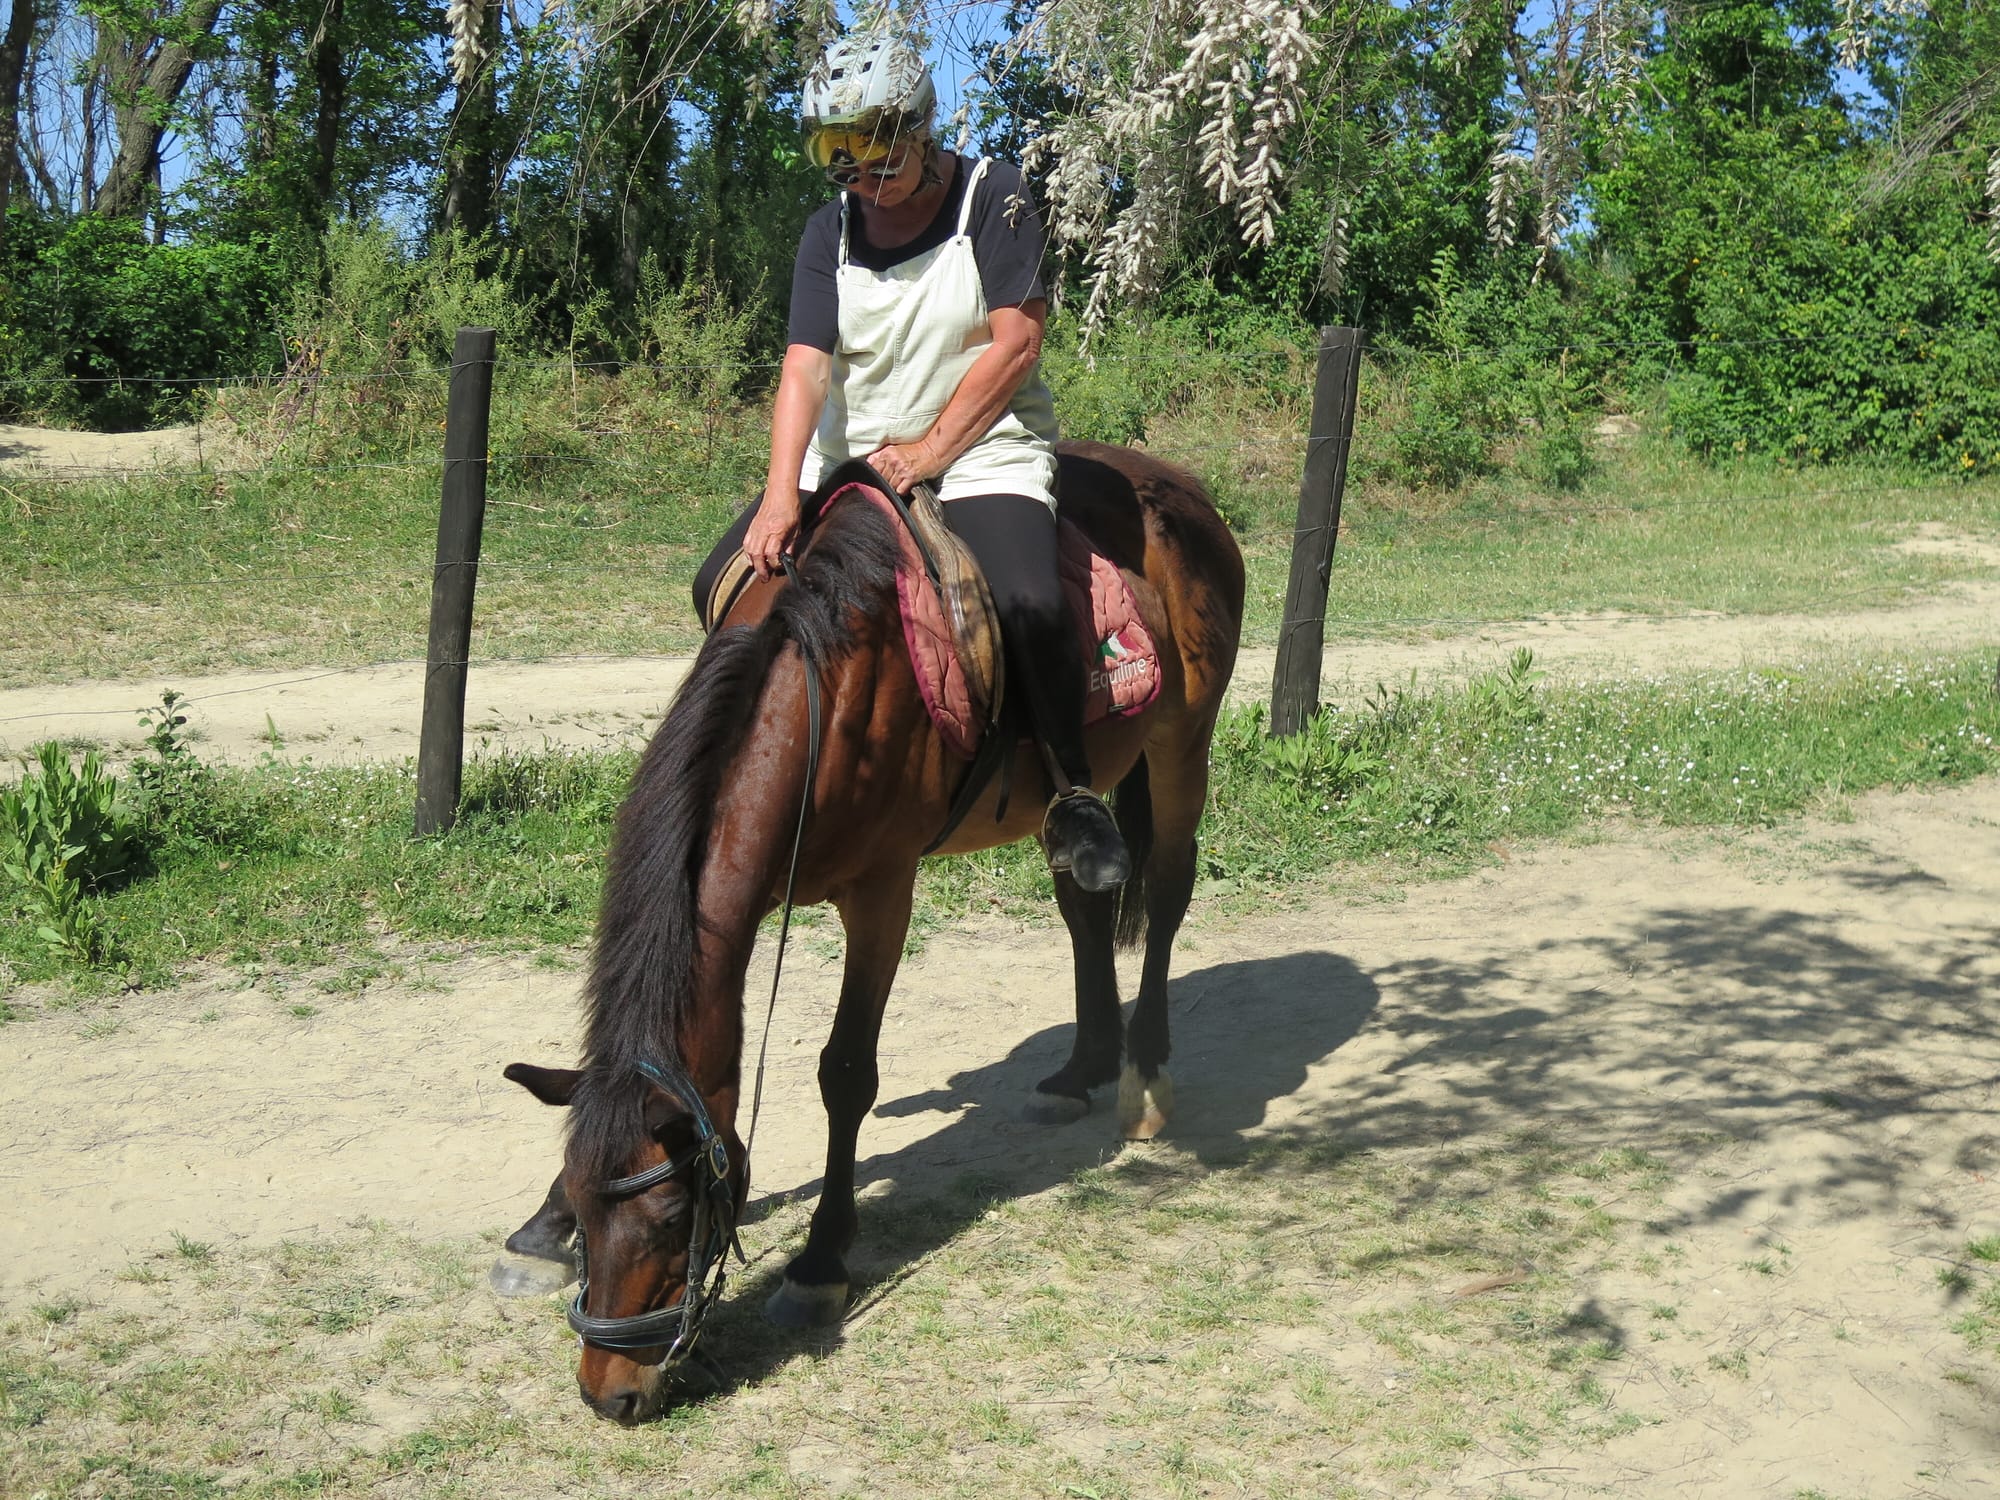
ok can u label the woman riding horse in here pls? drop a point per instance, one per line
(799, 757)
(915, 340)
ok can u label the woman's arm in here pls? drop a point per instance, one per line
(801, 393)
(980, 400)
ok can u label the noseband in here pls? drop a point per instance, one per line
(709, 1242)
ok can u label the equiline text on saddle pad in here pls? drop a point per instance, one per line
(1123, 660)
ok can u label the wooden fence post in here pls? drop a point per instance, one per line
(461, 518)
(1302, 632)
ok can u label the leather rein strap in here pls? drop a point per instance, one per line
(713, 1234)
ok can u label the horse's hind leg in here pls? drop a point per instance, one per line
(1093, 1060)
(814, 1291)
(1179, 786)
(537, 1258)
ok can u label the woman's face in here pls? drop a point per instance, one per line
(896, 180)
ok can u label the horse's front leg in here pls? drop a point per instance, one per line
(877, 919)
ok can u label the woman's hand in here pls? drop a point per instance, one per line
(771, 531)
(906, 465)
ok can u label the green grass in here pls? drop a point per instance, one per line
(1972, 1295)
(1651, 534)
(1292, 1318)
(272, 563)
(590, 544)
(316, 866)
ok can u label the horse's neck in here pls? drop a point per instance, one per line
(749, 848)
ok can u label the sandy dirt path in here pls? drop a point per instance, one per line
(42, 450)
(1817, 1001)
(372, 713)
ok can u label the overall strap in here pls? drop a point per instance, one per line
(971, 185)
(843, 230)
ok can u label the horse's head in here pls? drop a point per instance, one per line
(653, 1232)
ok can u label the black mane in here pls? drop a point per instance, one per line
(642, 966)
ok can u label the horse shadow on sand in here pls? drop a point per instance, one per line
(1245, 1035)
(1678, 1030)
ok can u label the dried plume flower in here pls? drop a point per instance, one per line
(1508, 174)
(1861, 19)
(1993, 206)
(466, 21)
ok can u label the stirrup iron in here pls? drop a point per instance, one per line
(1109, 862)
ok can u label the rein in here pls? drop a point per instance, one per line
(713, 1234)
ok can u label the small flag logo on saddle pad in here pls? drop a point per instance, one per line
(1118, 659)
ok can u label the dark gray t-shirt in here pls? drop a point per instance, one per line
(1006, 244)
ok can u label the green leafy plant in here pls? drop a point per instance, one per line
(67, 832)
(1507, 697)
(1319, 761)
(180, 799)
(1561, 460)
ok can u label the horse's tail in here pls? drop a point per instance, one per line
(1133, 804)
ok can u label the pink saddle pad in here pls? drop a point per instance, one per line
(1122, 659)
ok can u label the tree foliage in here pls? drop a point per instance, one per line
(1779, 214)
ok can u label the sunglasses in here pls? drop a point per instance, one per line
(850, 149)
(876, 148)
(847, 175)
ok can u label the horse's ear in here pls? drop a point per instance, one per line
(550, 1085)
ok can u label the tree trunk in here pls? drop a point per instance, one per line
(331, 76)
(642, 144)
(13, 65)
(87, 152)
(262, 103)
(472, 148)
(159, 71)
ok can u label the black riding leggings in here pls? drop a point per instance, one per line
(1014, 538)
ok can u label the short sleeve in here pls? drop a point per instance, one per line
(815, 310)
(1007, 238)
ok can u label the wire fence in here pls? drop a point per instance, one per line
(1277, 353)
(273, 680)
(263, 585)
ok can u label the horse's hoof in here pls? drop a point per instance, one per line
(1143, 1105)
(1055, 1109)
(796, 1306)
(527, 1276)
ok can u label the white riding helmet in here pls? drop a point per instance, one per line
(870, 90)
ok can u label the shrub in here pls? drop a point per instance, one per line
(65, 831)
(93, 303)
(1561, 460)
(181, 801)
(1478, 375)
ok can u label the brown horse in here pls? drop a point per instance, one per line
(654, 1172)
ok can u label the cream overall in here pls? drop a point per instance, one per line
(908, 335)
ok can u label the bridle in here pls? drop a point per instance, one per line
(713, 1234)
(709, 1242)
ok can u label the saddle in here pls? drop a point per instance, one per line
(949, 622)
(952, 630)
